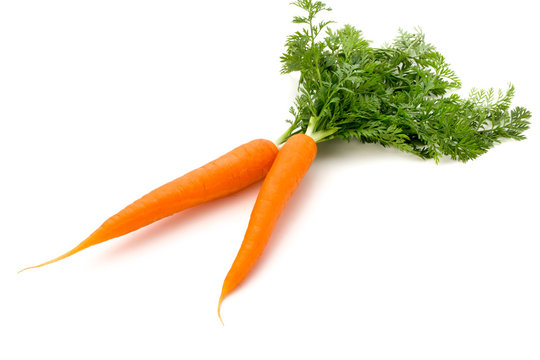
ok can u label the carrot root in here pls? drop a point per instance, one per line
(291, 164)
(226, 175)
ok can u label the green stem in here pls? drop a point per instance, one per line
(323, 135)
(318, 135)
(311, 126)
(287, 134)
(316, 57)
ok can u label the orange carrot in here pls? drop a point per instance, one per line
(228, 174)
(290, 166)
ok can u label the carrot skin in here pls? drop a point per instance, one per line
(291, 164)
(226, 175)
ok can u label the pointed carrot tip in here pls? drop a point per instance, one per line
(27, 268)
(219, 308)
(78, 248)
(35, 266)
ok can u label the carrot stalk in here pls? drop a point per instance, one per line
(288, 169)
(226, 175)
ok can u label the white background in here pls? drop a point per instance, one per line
(379, 255)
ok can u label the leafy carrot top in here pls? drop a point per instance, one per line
(397, 95)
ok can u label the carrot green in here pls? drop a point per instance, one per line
(398, 95)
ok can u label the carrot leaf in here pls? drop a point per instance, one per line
(401, 95)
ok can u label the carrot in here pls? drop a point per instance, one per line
(228, 174)
(290, 166)
(401, 95)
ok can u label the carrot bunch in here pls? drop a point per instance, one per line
(398, 95)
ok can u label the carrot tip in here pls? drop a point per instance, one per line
(28, 268)
(219, 308)
(37, 266)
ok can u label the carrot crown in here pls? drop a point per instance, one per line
(397, 95)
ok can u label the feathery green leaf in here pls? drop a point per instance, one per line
(398, 95)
